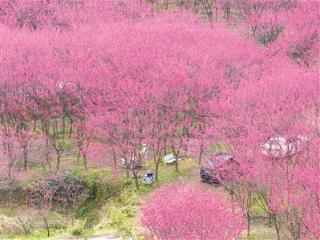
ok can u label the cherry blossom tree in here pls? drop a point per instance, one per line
(192, 213)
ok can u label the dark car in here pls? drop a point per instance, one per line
(221, 167)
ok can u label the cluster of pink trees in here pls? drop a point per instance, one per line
(112, 77)
(183, 212)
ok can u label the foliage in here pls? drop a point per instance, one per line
(184, 212)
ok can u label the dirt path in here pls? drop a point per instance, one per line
(104, 237)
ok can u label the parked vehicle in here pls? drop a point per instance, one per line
(170, 158)
(280, 147)
(221, 167)
(148, 177)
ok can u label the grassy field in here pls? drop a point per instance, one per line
(119, 213)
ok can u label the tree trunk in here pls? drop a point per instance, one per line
(176, 155)
(34, 124)
(248, 215)
(176, 165)
(136, 182)
(127, 172)
(25, 230)
(59, 154)
(277, 227)
(46, 225)
(11, 159)
(166, 2)
(63, 125)
(227, 11)
(114, 159)
(157, 168)
(78, 156)
(70, 129)
(25, 157)
(248, 224)
(48, 154)
(200, 154)
(85, 161)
